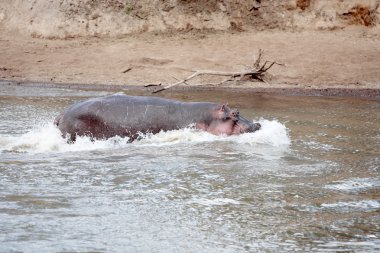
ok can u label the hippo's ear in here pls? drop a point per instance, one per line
(223, 112)
(223, 107)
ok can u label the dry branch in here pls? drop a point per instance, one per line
(257, 72)
(126, 70)
(152, 84)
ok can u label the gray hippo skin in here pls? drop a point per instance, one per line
(128, 116)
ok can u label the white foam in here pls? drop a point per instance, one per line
(354, 184)
(47, 138)
(40, 139)
(272, 133)
(366, 205)
(350, 206)
(215, 202)
(186, 135)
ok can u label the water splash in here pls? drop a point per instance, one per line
(352, 206)
(354, 185)
(272, 133)
(365, 205)
(40, 139)
(47, 138)
(215, 202)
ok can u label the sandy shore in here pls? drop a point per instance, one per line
(345, 59)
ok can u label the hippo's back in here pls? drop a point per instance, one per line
(121, 115)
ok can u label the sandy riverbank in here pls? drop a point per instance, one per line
(312, 59)
(317, 53)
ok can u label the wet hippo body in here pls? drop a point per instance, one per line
(128, 116)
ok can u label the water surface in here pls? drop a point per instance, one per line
(308, 180)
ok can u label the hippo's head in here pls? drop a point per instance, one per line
(229, 121)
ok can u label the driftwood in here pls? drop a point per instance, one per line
(256, 72)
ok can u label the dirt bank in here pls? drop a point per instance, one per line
(323, 44)
(113, 18)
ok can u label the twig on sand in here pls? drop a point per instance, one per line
(256, 72)
(152, 84)
(126, 70)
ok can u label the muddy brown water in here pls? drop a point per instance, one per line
(308, 181)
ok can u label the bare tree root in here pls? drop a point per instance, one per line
(256, 72)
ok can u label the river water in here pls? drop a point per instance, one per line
(308, 180)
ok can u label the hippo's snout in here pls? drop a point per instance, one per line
(250, 127)
(246, 126)
(254, 127)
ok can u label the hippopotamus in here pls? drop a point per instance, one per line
(129, 116)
